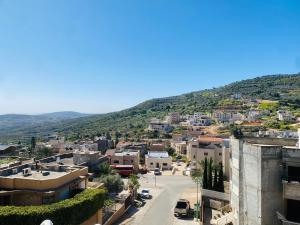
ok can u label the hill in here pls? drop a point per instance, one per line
(14, 121)
(282, 88)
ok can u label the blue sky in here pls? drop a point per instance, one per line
(106, 55)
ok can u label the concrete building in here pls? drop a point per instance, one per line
(285, 115)
(92, 159)
(265, 183)
(159, 159)
(208, 147)
(173, 118)
(41, 184)
(158, 146)
(138, 146)
(180, 147)
(157, 125)
(125, 157)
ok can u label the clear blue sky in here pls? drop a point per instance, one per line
(105, 55)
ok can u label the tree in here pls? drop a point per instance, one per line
(108, 137)
(215, 184)
(133, 181)
(171, 151)
(205, 181)
(210, 172)
(44, 153)
(221, 179)
(236, 131)
(33, 143)
(113, 183)
(105, 169)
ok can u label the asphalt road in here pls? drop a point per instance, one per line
(159, 210)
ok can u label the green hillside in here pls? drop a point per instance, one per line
(283, 88)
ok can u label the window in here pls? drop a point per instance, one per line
(116, 161)
(205, 153)
(151, 164)
(220, 154)
(165, 164)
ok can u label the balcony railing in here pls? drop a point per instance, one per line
(285, 221)
(291, 178)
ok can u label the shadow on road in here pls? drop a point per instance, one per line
(129, 214)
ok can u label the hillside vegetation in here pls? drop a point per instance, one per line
(283, 88)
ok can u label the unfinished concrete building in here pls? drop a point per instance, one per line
(265, 184)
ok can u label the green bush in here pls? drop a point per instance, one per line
(72, 211)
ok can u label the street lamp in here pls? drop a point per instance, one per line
(197, 177)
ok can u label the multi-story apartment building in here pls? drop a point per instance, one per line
(265, 183)
(126, 157)
(173, 118)
(209, 147)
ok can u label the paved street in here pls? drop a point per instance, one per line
(159, 210)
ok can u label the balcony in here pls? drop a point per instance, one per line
(291, 189)
(284, 221)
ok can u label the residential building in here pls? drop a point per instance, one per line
(139, 146)
(202, 120)
(228, 116)
(284, 115)
(253, 115)
(37, 184)
(103, 144)
(180, 147)
(158, 146)
(126, 157)
(7, 149)
(159, 159)
(173, 118)
(265, 183)
(208, 147)
(157, 125)
(92, 159)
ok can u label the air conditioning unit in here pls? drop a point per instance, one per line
(26, 172)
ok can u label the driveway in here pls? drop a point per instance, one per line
(159, 210)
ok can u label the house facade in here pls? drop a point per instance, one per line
(160, 160)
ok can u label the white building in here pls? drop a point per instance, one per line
(160, 160)
(285, 115)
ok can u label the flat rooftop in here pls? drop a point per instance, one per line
(38, 175)
(126, 153)
(154, 154)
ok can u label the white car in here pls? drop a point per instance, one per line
(146, 193)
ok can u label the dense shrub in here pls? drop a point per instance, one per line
(68, 212)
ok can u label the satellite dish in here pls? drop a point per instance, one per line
(47, 222)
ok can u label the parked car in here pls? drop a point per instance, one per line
(182, 208)
(157, 171)
(145, 193)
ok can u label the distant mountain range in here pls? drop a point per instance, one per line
(13, 121)
(283, 88)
